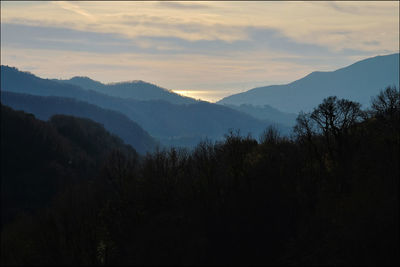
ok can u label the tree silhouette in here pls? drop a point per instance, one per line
(387, 102)
(335, 116)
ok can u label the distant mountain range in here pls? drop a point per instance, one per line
(43, 107)
(177, 120)
(138, 90)
(171, 124)
(358, 82)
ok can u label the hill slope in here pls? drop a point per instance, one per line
(266, 112)
(138, 90)
(358, 82)
(115, 122)
(39, 159)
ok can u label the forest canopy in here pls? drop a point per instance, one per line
(326, 195)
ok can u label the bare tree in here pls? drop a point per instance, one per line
(332, 118)
(335, 116)
(270, 135)
(387, 103)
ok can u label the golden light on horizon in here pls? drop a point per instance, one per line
(207, 95)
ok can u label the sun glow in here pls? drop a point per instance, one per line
(207, 95)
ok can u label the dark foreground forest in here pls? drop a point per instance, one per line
(329, 194)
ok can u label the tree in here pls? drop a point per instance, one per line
(332, 118)
(387, 103)
(270, 136)
(335, 116)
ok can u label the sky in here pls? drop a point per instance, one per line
(202, 49)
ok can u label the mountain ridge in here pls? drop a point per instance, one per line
(358, 82)
(135, 89)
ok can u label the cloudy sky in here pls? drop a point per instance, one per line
(202, 49)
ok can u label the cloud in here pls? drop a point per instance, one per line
(74, 8)
(342, 8)
(256, 40)
(373, 43)
(145, 25)
(64, 39)
(312, 22)
(40, 23)
(178, 5)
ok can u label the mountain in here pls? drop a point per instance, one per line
(115, 122)
(358, 82)
(17, 81)
(188, 124)
(138, 90)
(172, 124)
(267, 113)
(39, 159)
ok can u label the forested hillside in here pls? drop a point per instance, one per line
(40, 159)
(326, 196)
(45, 107)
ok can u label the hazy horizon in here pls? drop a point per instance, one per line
(204, 50)
(212, 96)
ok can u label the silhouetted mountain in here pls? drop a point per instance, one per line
(171, 124)
(138, 90)
(358, 82)
(39, 158)
(267, 113)
(89, 136)
(115, 122)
